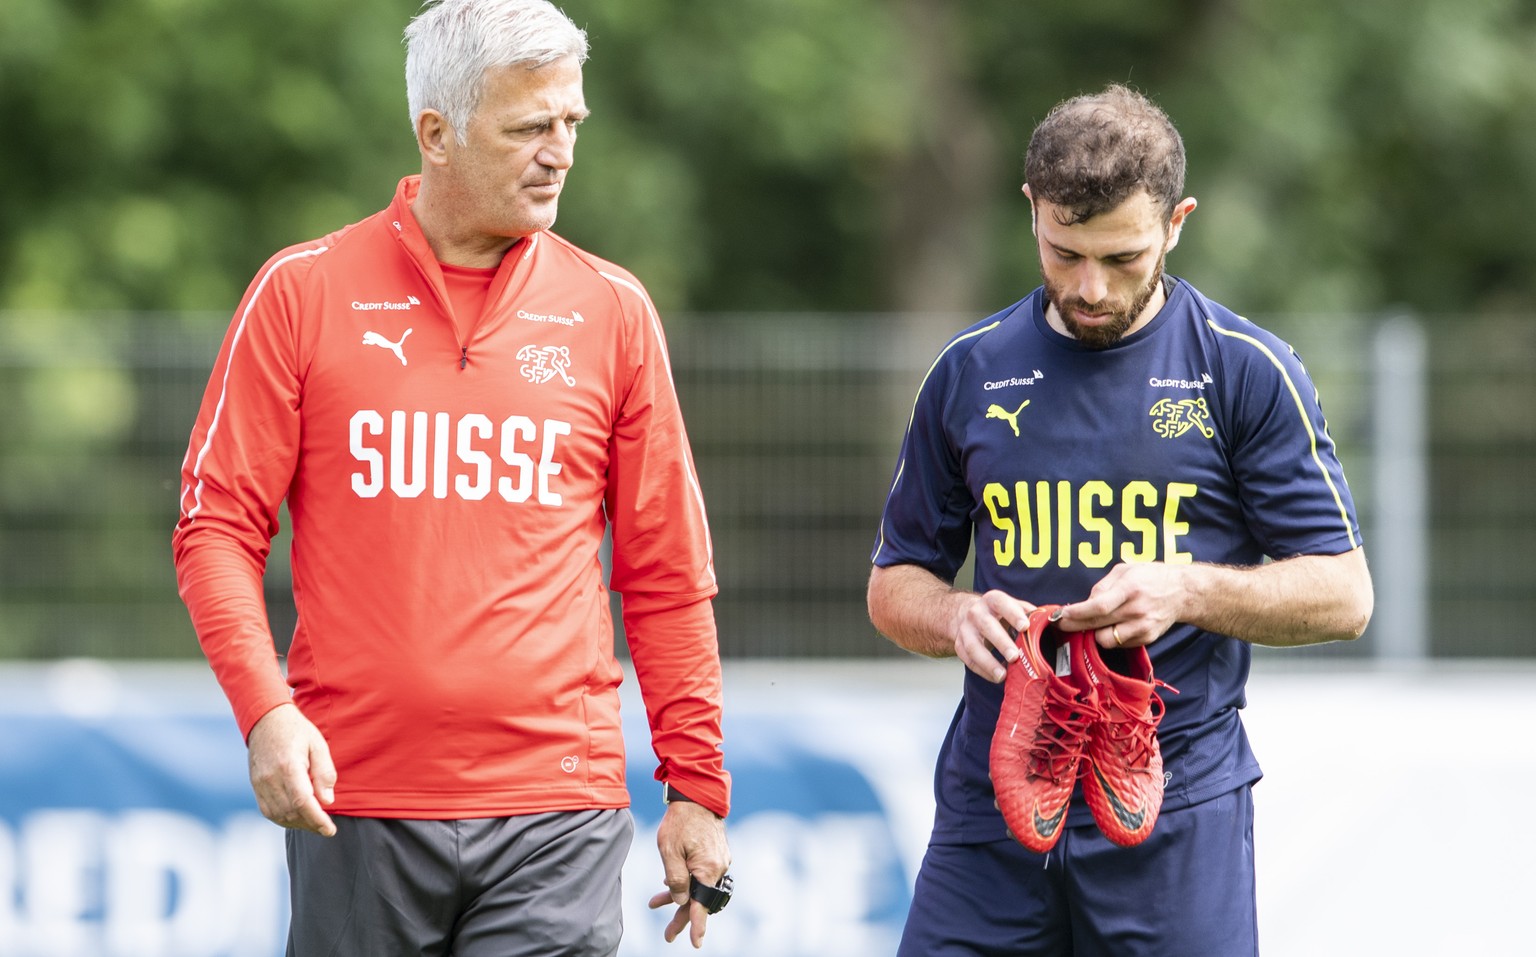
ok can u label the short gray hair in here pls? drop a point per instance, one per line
(452, 43)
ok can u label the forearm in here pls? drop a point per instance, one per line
(916, 609)
(221, 586)
(675, 653)
(1299, 601)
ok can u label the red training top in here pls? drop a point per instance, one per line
(449, 479)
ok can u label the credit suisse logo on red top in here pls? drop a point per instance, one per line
(556, 318)
(403, 305)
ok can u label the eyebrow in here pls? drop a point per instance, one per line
(548, 116)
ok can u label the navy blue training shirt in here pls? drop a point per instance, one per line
(1198, 438)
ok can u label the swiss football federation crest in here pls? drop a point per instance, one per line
(1172, 418)
(543, 363)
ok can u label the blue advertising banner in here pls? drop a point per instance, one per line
(127, 827)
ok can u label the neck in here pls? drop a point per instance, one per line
(451, 241)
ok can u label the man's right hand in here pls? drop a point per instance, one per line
(291, 771)
(925, 614)
(978, 630)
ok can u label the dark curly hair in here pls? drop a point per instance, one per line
(1093, 151)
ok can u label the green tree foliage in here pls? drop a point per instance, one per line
(174, 144)
(791, 154)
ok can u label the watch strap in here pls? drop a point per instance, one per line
(670, 794)
(714, 898)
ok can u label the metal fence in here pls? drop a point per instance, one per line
(795, 421)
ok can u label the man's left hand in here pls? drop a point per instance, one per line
(1134, 604)
(692, 842)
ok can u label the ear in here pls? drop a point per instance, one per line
(433, 134)
(1176, 221)
(1031, 197)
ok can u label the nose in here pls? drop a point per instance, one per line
(559, 149)
(1092, 283)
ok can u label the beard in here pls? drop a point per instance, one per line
(1104, 334)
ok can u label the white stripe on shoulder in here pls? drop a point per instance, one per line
(218, 412)
(1301, 411)
(901, 466)
(650, 311)
(693, 480)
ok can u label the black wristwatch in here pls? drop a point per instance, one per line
(714, 898)
(670, 794)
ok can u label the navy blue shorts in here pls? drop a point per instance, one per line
(1187, 890)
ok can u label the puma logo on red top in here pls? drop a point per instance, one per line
(398, 348)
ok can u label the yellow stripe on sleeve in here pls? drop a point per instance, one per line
(1306, 422)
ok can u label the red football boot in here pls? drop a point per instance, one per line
(1123, 772)
(1038, 743)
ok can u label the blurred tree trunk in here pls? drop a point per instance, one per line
(935, 201)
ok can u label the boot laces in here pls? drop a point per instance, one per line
(1062, 733)
(1133, 734)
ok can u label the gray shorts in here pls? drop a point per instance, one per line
(538, 885)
